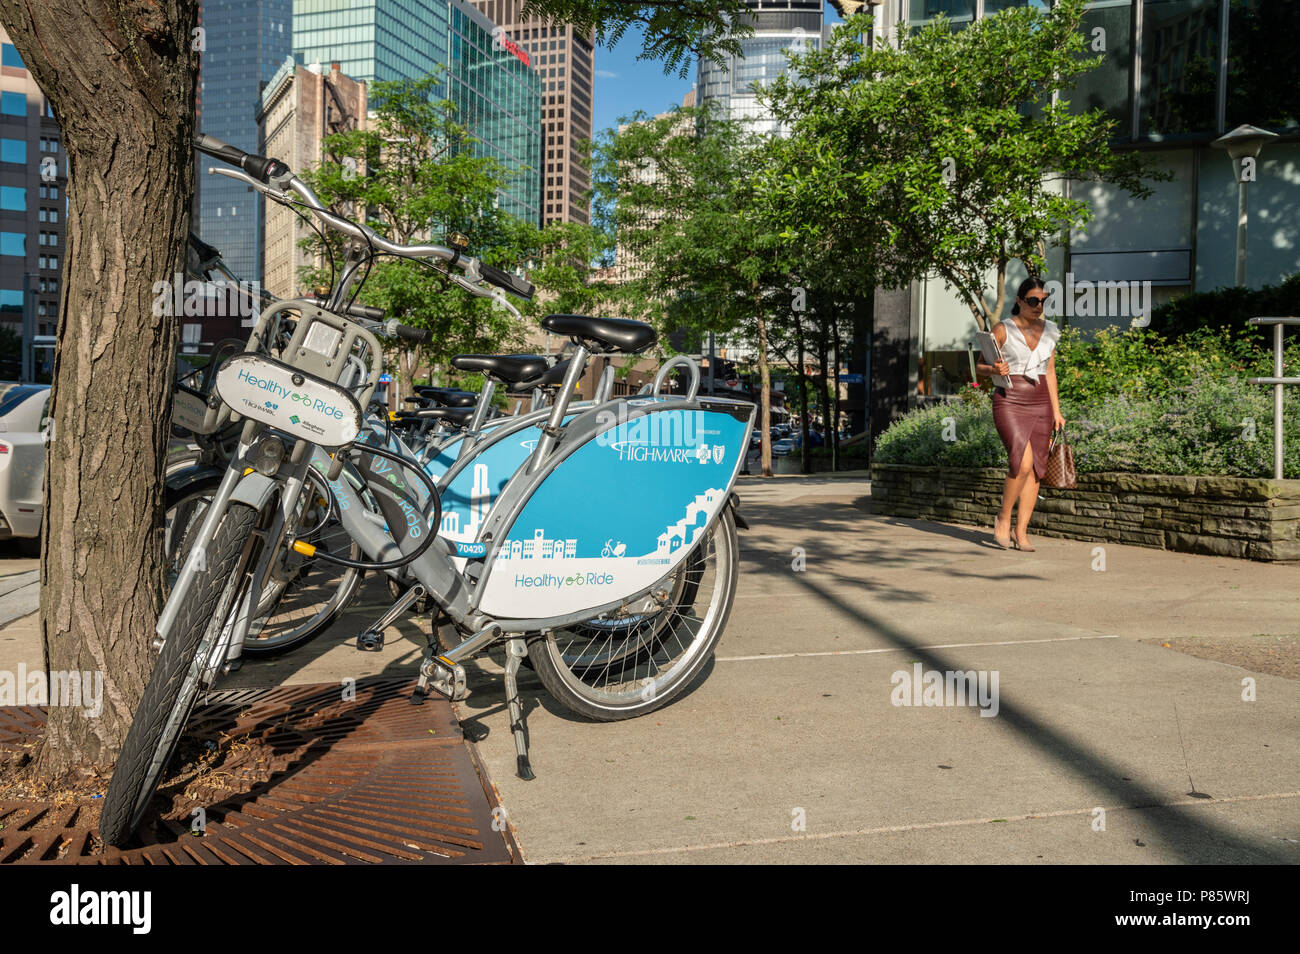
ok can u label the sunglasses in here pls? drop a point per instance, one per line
(1035, 302)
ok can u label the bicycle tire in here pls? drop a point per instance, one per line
(570, 683)
(176, 679)
(265, 648)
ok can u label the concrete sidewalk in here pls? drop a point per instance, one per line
(794, 719)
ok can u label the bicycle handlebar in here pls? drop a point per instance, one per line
(259, 167)
(506, 281)
(396, 329)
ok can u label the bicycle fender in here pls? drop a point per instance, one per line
(631, 489)
(254, 489)
(193, 474)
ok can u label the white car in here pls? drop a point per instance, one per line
(24, 429)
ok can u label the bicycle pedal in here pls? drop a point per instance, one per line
(418, 696)
(444, 681)
(370, 641)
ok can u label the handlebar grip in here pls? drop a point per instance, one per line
(407, 333)
(259, 167)
(506, 281)
(367, 312)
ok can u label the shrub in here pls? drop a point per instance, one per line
(1227, 309)
(1207, 425)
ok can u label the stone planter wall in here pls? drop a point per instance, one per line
(1222, 516)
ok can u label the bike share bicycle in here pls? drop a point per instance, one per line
(610, 637)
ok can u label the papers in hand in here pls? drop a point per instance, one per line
(992, 354)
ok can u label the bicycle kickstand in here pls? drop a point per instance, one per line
(371, 639)
(516, 650)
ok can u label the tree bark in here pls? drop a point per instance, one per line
(764, 382)
(834, 426)
(823, 364)
(802, 378)
(120, 78)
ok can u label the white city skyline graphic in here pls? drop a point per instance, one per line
(670, 541)
(480, 502)
(675, 536)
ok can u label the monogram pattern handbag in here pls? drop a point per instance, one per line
(1060, 463)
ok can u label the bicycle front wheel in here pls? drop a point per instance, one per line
(608, 671)
(303, 601)
(177, 676)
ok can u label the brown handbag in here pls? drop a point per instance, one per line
(1060, 463)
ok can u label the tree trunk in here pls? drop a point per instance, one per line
(802, 378)
(120, 78)
(834, 436)
(823, 392)
(765, 383)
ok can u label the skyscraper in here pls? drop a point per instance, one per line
(33, 173)
(299, 108)
(780, 27)
(244, 43)
(563, 59)
(497, 94)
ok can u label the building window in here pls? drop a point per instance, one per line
(11, 58)
(1180, 66)
(13, 199)
(54, 215)
(1255, 95)
(13, 104)
(13, 150)
(13, 243)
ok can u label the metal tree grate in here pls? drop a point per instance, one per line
(307, 777)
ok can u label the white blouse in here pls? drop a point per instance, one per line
(1018, 356)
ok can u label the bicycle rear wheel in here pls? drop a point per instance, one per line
(609, 672)
(178, 675)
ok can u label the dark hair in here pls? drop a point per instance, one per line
(1028, 285)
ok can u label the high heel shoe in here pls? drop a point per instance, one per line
(1004, 544)
(1016, 544)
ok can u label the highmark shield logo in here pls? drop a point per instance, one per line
(672, 437)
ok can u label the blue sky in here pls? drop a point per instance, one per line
(624, 84)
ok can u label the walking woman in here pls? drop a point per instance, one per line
(1026, 413)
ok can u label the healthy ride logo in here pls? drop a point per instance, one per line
(552, 581)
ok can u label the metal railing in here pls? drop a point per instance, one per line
(1278, 382)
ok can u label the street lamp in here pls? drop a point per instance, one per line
(1243, 143)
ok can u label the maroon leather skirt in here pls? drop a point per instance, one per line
(1022, 416)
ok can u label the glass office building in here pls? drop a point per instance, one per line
(496, 93)
(1177, 74)
(372, 40)
(780, 26)
(245, 41)
(499, 97)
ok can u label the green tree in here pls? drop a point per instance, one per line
(674, 31)
(945, 155)
(705, 255)
(415, 176)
